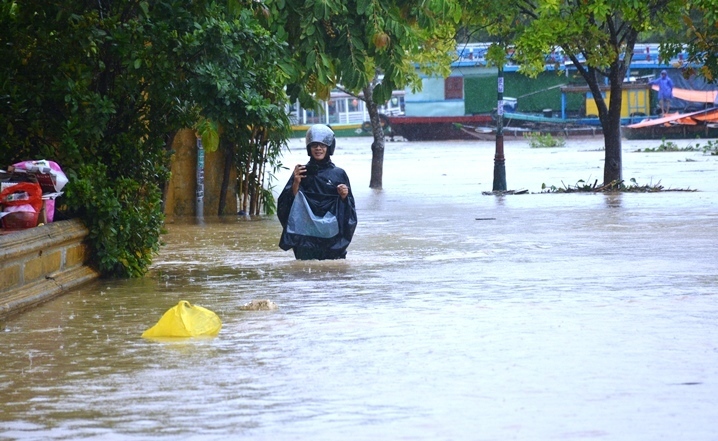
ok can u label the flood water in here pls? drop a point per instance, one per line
(456, 315)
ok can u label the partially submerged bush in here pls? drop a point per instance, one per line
(612, 187)
(544, 140)
(711, 147)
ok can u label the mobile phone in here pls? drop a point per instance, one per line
(311, 169)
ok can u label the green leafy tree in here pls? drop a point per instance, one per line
(76, 84)
(369, 47)
(598, 36)
(101, 88)
(238, 87)
(699, 37)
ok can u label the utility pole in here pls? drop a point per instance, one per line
(499, 160)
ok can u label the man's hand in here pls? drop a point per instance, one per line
(343, 191)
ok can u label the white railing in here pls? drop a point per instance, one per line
(343, 109)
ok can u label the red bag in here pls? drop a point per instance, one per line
(34, 193)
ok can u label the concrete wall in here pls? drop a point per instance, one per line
(180, 194)
(41, 263)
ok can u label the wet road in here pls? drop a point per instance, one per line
(456, 316)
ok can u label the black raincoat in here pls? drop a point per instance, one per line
(320, 192)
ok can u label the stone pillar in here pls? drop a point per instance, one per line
(180, 193)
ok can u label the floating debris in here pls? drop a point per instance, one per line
(185, 320)
(611, 187)
(259, 305)
(505, 192)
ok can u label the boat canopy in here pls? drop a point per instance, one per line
(692, 118)
(695, 96)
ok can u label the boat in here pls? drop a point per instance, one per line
(701, 123)
(566, 131)
(698, 124)
(425, 128)
(463, 105)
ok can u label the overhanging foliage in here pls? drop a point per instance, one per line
(101, 88)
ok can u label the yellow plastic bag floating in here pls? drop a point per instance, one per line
(185, 320)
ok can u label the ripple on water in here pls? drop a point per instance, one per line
(563, 317)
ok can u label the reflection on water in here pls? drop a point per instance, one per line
(613, 200)
(455, 316)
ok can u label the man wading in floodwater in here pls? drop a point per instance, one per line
(316, 207)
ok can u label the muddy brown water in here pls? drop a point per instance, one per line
(456, 316)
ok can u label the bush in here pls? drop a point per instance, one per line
(124, 217)
(100, 88)
(539, 140)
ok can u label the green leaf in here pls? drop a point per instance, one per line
(326, 62)
(321, 11)
(362, 6)
(357, 43)
(210, 141)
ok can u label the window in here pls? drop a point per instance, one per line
(454, 88)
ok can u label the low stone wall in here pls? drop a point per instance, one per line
(41, 263)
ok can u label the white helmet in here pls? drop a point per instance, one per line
(322, 134)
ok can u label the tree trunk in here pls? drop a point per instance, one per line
(228, 164)
(610, 115)
(613, 165)
(377, 147)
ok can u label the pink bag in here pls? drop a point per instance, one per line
(50, 177)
